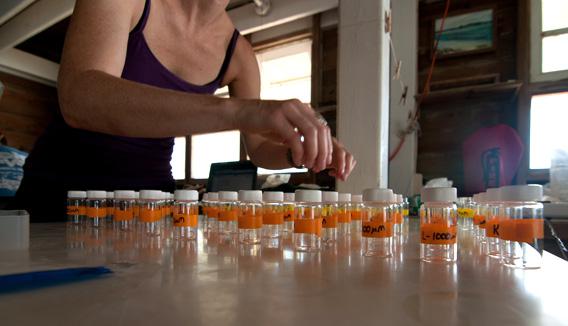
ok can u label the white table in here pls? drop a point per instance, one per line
(212, 283)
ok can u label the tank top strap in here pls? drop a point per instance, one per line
(228, 55)
(139, 28)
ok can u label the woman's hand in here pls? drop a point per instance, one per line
(343, 162)
(286, 122)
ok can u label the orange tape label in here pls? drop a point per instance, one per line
(73, 210)
(123, 215)
(273, 218)
(308, 226)
(492, 228)
(437, 234)
(344, 217)
(526, 230)
(355, 215)
(397, 217)
(185, 220)
(228, 216)
(147, 215)
(329, 221)
(477, 219)
(94, 212)
(250, 221)
(376, 229)
(212, 212)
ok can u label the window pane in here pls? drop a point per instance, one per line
(178, 159)
(554, 14)
(549, 114)
(554, 51)
(213, 148)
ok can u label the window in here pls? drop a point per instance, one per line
(548, 131)
(178, 159)
(285, 73)
(549, 37)
(213, 148)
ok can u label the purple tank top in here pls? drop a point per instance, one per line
(80, 159)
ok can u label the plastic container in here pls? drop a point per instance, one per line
(308, 221)
(492, 246)
(76, 207)
(356, 208)
(438, 225)
(185, 211)
(466, 211)
(272, 214)
(228, 207)
(212, 211)
(344, 215)
(377, 223)
(521, 229)
(151, 212)
(250, 216)
(329, 216)
(96, 208)
(124, 203)
(289, 207)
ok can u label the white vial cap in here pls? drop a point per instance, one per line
(492, 194)
(399, 199)
(110, 194)
(250, 195)
(357, 198)
(330, 196)
(344, 198)
(289, 197)
(521, 193)
(186, 195)
(475, 198)
(136, 194)
(96, 194)
(439, 194)
(213, 196)
(378, 194)
(310, 196)
(481, 197)
(150, 194)
(205, 197)
(76, 194)
(271, 196)
(228, 196)
(124, 194)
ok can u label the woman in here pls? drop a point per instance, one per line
(134, 74)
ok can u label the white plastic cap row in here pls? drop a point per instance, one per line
(344, 198)
(76, 194)
(309, 196)
(521, 193)
(272, 196)
(250, 195)
(357, 198)
(330, 196)
(228, 196)
(289, 197)
(378, 195)
(439, 194)
(186, 195)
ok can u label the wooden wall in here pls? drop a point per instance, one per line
(26, 108)
(469, 91)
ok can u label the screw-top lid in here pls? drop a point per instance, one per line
(136, 194)
(124, 194)
(76, 194)
(310, 196)
(482, 197)
(357, 198)
(289, 197)
(475, 198)
(272, 196)
(521, 193)
(96, 194)
(186, 195)
(399, 199)
(439, 194)
(344, 198)
(492, 194)
(228, 196)
(213, 196)
(378, 194)
(250, 195)
(150, 194)
(110, 194)
(330, 196)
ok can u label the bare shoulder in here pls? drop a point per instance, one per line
(243, 63)
(129, 10)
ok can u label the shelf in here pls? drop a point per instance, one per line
(504, 90)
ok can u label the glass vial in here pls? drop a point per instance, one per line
(110, 207)
(289, 207)
(344, 214)
(521, 226)
(480, 219)
(137, 206)
(308, 221)
(76, 209)
(356, 211)
(212, 212)
(185, 211)
(329, 217)
(438, 225)
(123, 213)
(492, 246)
(466, 212)
(272, 214)
(377, 223)
(228, 207)
(96, 208)
(396, 213)
(151, 213)
(250, 216)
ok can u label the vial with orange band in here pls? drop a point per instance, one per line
(356, 208)
(76, 209)
(492, 246)
(185, 214)
(151, 212)
(438, 225)
(96, 208)
(250, 216)
(480, 219)
(521, 226)
(124, 202)
(137, 206)
(289, 206)
(397, 218)
(377, 226)
(329, 216)
(212, 212)
(228, 208)
(343, 214)
(110, 207)
(272, 214)
(308, 221)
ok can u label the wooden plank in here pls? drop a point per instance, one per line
(15, 122)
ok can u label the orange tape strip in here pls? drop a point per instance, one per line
(212, 212)
(148, 216)
(228, 216)
(185, 220)
(355, 215)
(525, 230)
(377, 229)
(329, 222)
(437, 234)
(308, 226)
(397, 218)
(123, 215)
(273, 218)
(93, 212)
(492, 228)
(73, 210)
(250, 221)
(344, 217)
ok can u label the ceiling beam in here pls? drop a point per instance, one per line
(29, 66)
(34, 19)
(282, 11)
(10, 8)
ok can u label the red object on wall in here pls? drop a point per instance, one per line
(491, 158)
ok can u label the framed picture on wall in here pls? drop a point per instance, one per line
(466, 33)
